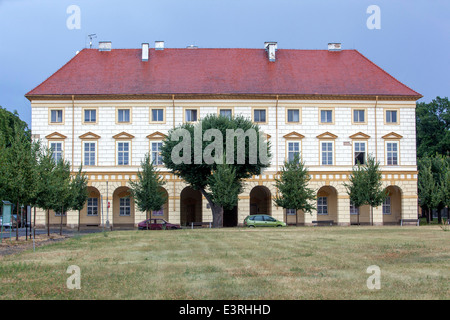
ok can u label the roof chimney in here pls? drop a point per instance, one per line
(334, 47)
(271, 48)
(104, 46)
(192, 47)
(145, 51)
(159, 45)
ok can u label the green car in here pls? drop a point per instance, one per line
(262, 220)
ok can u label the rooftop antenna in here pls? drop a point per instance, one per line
(91, 36)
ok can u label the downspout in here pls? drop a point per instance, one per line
(174, 186)
(376, 132)
(276, 134)
(73, 130)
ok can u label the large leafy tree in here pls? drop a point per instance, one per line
(79, 192)
(197, 141)
(365, 186)
(147, 190)
(63, 197)
(433, 127)
(293, 191)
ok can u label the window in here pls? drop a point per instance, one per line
(322, 205)
(58, 214)
(123, 115)
(290, 212)
(124, 207)
(392, 153)
(353, 210)
(359, 116)
(360, 153)
(269, 219)
(327, 153)
(226, 113)
(191, 115)
(56, 148)
(293, 150)
(92, 206)
(326, 116)
(391, 117)
(90, 116)
(157, 115)
(259, 115)
(258, 218)
(387, 206)
(156, 153)
(56, 116)
(293, 115)
(89, 153)
(123, 153)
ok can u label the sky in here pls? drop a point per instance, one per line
(411, 40)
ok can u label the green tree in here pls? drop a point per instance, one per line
(45, 189)
(225, 188)
(433, 127)
(10, 124)
(365, 186)
(79, 192)
(426, 188)
(293, 191)
(196, 172)
(63, 197)
(17, 170)
(147, 190)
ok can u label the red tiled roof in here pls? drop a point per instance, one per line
(221, 71)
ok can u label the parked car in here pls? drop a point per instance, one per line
(157, 224)
(262, 220)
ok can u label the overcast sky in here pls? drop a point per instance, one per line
(412, 44)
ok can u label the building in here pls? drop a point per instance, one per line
(109, 107)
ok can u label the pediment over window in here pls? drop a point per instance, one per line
(156, 136)
(293, 135)
(89, 136)
(55, 136)
(359, 135)
(327, 135)
(123, 135)
(392, 135)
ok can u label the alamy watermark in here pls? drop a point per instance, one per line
(255, 151)
(74, 20)
(74, 281)
(374, 281)
(374, 20)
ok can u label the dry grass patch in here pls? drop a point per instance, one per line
(288, 263)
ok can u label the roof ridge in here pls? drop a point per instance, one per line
(387, 73)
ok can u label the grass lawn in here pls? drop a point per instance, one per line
(236, 263)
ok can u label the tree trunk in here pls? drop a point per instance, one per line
(48, 223)
(371, 215)
(146, 216)
(34, 224)
(79, 219)
(217, 211)
(60, 221)
(17, 222)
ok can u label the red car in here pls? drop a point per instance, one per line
(157, 224)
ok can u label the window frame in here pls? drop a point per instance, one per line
(266, 111)
(299, 115)
(191, 109)
(83, 115)
(61, 151)
(220, 109)
(387, 152)
(159, 152)
(129, 152)
(333, 152)
(127, 205)
(354, 151)
(332, 110)
(118, 109)
(83, 143)
(354, 122)
(288, 141)
(63, 114)
(387, 205)
(322, 205)
(152, 121)
(90, 206)
(386, 122)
